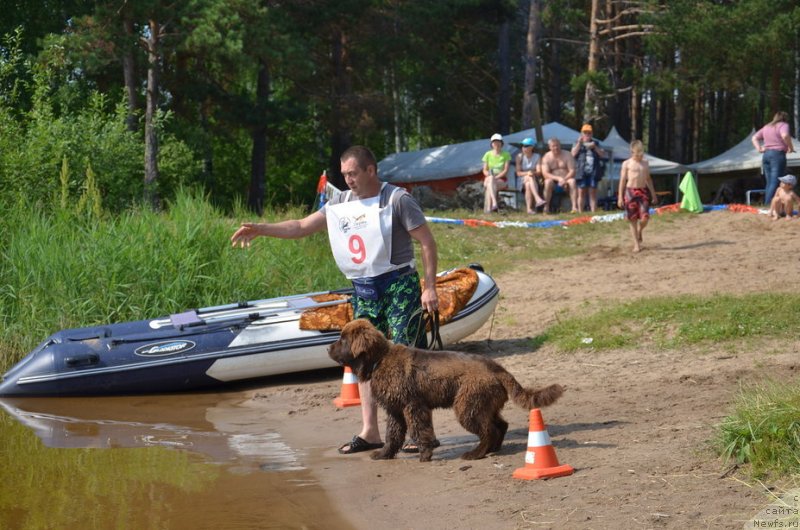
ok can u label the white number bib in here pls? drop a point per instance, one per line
(360, 233)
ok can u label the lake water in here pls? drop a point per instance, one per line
(152, 462)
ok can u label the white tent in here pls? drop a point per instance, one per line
(458, 160)
(621, 150)
(741, 157)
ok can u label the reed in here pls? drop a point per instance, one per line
(72, 267)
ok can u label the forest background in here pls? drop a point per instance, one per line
(249, 101)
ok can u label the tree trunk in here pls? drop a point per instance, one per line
(633, 127)
(698, 121)
(553, 65)
(679, 129)
(531, 117)
(652, 122)
(258, 156)
(340, 136)
(150, 134)
(504, 67)
(129, 74)
(775, 90)
(398, 115)
(590, 106)
(796, 112)
(208, 148)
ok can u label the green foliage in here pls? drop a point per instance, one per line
(764, 428)
(599, 79)
(96, 137)
(13, 69)
(673, 322)
(403, 74)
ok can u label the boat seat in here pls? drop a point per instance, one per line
(328, 318)
(453, 289)
(187, 318)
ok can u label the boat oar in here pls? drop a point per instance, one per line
(267, 302)
(196, 318)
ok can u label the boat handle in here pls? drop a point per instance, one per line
(82, 360)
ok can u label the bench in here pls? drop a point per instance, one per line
(748, 194)
(514, 195)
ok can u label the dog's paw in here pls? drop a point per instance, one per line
(475, 454)
(381, 455)
(425, 455)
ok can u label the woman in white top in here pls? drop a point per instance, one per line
(529, 169)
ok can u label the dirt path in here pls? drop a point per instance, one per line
(634, 424)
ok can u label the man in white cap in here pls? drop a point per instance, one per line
(495, 173)
(785, 198)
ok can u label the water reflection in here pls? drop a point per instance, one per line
(221, 432)
(94, 462)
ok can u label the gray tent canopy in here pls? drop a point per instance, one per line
(741, 157)
(458, 160)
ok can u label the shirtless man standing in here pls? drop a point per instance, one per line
(636, 192)
(558, 168)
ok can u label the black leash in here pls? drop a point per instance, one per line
(436, 338)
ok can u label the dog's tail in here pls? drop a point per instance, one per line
(531, 398)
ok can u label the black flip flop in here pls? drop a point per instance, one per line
(412, 446)
(358, 445)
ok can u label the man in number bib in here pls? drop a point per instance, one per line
(370, 229)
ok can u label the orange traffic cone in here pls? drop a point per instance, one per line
(540, 460)
(349, 396)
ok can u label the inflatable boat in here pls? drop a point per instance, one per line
(211, 346)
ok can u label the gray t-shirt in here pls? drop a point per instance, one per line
(406, 216)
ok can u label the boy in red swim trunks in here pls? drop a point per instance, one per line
(636, 192)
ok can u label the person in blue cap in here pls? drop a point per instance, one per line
(784, 199)
(529, 168)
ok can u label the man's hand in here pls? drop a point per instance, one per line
(245, 235)
(430, 300)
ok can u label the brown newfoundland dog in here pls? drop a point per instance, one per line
(409, 383)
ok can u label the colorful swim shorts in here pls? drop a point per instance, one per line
(398, 313)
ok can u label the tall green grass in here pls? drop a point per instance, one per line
(764, 428)
(70, 267)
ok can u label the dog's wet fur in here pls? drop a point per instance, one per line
(409, 383)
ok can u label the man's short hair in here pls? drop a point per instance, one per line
(363, 156)
(554, 139)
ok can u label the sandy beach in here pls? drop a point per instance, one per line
(635, 424)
